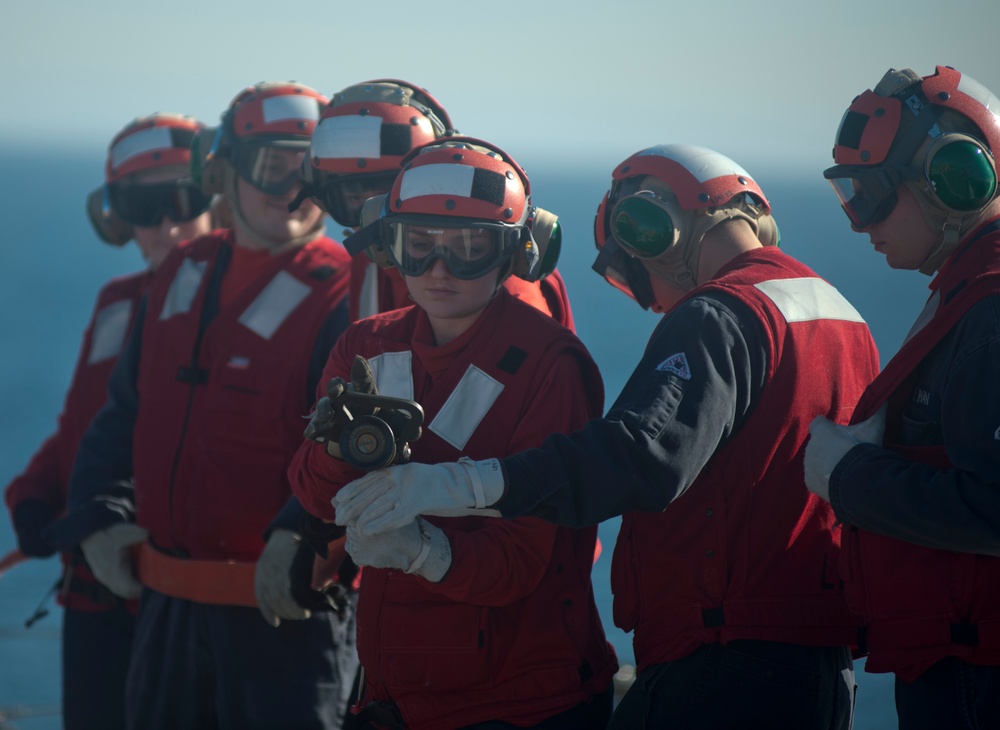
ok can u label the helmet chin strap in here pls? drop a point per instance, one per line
(249, 237)
(951, 224)
(678, 265)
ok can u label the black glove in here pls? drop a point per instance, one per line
(31, 517)
(315, 539)
(331, 415)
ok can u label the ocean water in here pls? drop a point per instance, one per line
(51, 266)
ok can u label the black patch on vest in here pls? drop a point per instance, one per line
(396, 139)
(192, 375)
(322, 273)
(712, 617)
(955, 290)
(512, 360)
(852, 129)
(489, 186)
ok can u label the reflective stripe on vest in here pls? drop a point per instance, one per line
(183, 288)
(393, 373)
(273, 305)
(807, 299)
(465, 408)
(110, 326)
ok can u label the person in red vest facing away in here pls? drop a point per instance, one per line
(179, 493)
(355, 154)
(468, 622)
(916, 478)
(725, 567)
(147, 197)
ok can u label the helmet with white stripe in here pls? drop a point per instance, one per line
(361, 139)
(460, 183)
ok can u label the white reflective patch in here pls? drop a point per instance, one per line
(394, 373)
(286, 106)
(368, 296)
(466, 407)
(441, 179)
(703, 163)
(138, 143)
(347, 138)
(925, 316)
(273, 305)
(110, 327)
(996, 434)
(808, 299)
(183, 288)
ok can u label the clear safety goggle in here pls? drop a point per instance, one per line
(145, 205)
(642, 225)
(272, 169)
(625, 273)
(867, 194)
(469, 249)
(343, 196)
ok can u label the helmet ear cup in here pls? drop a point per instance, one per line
(208, 148)
(107, 225)
(961, 172)
(547, 234)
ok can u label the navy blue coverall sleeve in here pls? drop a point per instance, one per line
(100, 491)
(695, 385)
(955, 403)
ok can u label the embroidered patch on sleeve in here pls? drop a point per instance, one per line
(676, 364)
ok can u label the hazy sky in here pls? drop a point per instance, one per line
(583, 81)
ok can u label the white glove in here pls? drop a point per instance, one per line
(109, 557)
(418, 547)
(828, 443)
(387, 499)
(272, 580)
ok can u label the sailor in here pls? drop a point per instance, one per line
(725, 565)
(915, 479)
(468, 622)
(355, 155)
(205, 411)
(147, 197)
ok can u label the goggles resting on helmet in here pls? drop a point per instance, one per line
(145, 205)
(469, 248)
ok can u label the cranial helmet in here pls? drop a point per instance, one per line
(457, 184)
(262, 123)
(262, 117)
(662, 202)
(361, 139)
(156, 146)
(937, 134)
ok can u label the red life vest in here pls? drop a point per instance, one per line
(222, 394)
(47, 475)
(446, 660)
(747, 552)
(920, 604)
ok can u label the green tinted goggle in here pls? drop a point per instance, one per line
(642, 226)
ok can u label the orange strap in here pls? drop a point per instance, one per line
(216, 582)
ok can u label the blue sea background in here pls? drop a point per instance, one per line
(52, 265)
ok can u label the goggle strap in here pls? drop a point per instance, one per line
(364, 238)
